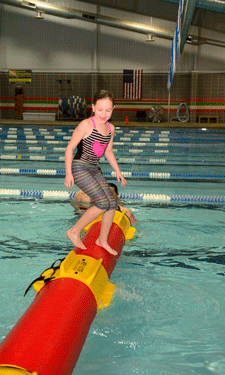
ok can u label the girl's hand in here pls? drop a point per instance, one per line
(69, 181)
(120, 177)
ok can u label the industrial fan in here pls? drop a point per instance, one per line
(156, 113)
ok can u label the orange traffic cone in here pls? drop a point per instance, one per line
(126, 121)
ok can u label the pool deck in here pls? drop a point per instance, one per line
(131, 124)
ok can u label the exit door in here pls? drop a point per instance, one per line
(19, 102)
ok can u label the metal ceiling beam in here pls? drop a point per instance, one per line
(186, 23)
(69, 13)
(214, 5)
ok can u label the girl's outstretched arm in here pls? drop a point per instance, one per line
(112, 160)
(78, 134)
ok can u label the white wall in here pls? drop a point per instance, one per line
(2, 40)
(126, 49)
(210, 58)
(51, 44)
(56, 44)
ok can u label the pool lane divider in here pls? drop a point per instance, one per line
(126, 136)
(65, 195)
(162, 142)
(146, 152)
(48, 338)
(138, 161)
(66, 130)
(131, 175)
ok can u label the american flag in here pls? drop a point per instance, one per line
(132, 84)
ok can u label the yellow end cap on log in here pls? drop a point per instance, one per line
(87, 270)
(14, 370)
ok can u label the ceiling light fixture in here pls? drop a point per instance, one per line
(39, 16)
(150, 38)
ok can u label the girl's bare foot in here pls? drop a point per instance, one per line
(75, 238)
(106, 247)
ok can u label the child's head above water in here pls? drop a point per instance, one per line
(102, 106)
(103, 94)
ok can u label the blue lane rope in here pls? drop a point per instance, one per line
(130, 151)
(35, 137)
(121, 147)
(139, 175)
(34, 148)
(57, 126)
(32, 158)
(118, 141)
(124, 136)
(127, 196)
(120, 160)
(122, 130)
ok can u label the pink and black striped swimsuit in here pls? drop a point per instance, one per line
(85, 169)
(92, 147)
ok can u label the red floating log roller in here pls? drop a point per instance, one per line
(48, 338)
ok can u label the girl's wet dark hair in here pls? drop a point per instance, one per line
(103, 94)
(113, 186)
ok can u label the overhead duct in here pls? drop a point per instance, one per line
(70, 13)
(213, 5)
(28, 4)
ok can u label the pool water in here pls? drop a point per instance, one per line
(167, 313)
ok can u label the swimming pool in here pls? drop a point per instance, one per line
(166, 317)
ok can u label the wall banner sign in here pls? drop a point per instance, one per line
(22, 76)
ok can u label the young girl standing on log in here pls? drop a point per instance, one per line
(93, 137)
